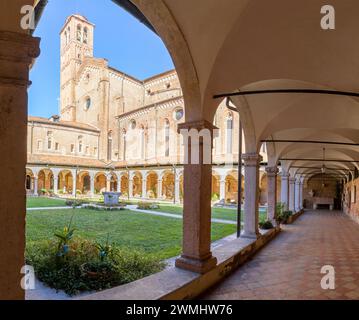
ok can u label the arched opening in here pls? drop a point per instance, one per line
(152, 185)
(168, 186)
(137, 185)
(100, 183)
(124, 186)
(65, 182)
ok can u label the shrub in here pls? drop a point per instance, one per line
(283, 216)
(147, 205)
(266, 225)
(74, 202)
(215, 197)
(83, 269)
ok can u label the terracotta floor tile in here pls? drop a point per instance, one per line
(289, 267)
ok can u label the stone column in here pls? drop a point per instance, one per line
(222, 188)
(159, 188)
(251, 195)
(56, 182)
(130, 186)
(36, 181)
(118, 183)
(144, 186)
(272, 193)
(177, 189)
(297, 195)
(108, 183)
(196, 255)
(284, 196)
(17, 51)
(74, 182)
(92, 183)
(292, 194)
(301, 190)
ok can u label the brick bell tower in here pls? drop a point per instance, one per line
(77, 36)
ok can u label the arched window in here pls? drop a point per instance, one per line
(87, 103)
(65, 35)
(109, 146)
(68, 34)
(79, 33)
(229, 133)
(167, 138)
(80, 144)
(49, 140)
(85, 35)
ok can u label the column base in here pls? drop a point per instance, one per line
(196, 265)
(250, 235)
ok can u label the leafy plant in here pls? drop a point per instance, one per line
(215, 197)
(105, 250)
(283, 216)
(83, 270)
(64, 237)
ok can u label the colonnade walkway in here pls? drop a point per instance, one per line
(290, 266)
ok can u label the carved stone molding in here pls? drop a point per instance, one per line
(251, 159)
(272, 171)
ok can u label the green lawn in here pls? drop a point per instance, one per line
(154, 234)
(218, 213)
(41, 202)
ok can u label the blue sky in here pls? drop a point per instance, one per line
(127, 44)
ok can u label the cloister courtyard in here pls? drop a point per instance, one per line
(179, 150)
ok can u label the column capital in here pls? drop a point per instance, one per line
(199, 125)
(291, 180)
(16, 49)
(271, 171)
(284, 175)
(251, 159)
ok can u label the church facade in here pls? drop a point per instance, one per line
(118, 133)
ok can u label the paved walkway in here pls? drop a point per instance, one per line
(289, 266)
(48, 208)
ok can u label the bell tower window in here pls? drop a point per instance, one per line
(79, 33)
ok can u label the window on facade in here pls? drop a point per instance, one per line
(178, 114)
(229, 133)
(78, 33)
(133, 124)
(68, 34)
(72, 148)
(80, 146)
(87, 150)
(49, 140)
(57, 146)
(65, 35)
(167, 138)
(87, 103)
(85, 35)
(39, 145)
